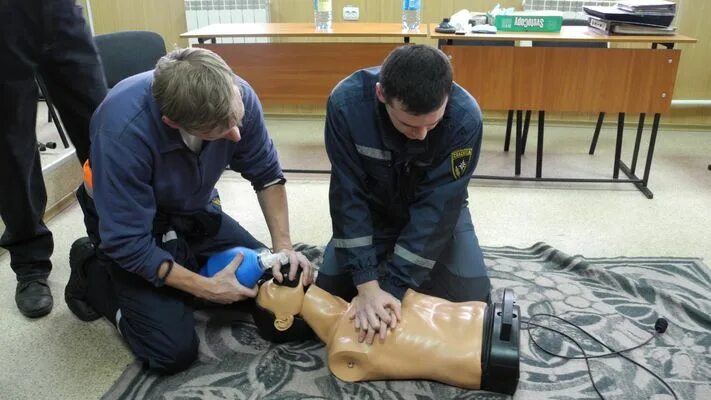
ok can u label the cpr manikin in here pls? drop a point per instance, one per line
(469, 345)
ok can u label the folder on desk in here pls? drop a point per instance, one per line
(620, 28)
(615, 14)
(648, 6)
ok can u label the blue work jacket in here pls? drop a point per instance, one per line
(387, 187)
(141, 166)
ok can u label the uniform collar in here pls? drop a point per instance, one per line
(168, 139)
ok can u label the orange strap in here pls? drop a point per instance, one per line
(88, 179)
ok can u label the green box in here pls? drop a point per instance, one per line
(529, 22)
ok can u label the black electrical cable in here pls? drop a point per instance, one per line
(659, 327)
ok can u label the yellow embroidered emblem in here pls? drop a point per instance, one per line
(460, 161)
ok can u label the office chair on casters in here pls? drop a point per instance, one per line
(51, 117)
(502, 43)
(128, 53)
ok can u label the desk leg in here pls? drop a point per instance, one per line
(596, 135)
(618, 146)
(509, 122)
(526, 123)
(539, 150)
(637, 140)
(641, 184)
(650, 152)
(519, 143)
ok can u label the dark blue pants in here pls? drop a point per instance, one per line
(156, 322)
(47, 39)
(458, 275)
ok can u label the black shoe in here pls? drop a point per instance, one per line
(33, 298)
(81, 253)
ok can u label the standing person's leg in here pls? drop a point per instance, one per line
(72, 71)
(460, 273)
(23, 198)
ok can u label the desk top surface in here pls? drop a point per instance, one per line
(566, 34)
(340, 29)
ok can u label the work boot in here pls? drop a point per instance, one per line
(33, 298)
(81, 253)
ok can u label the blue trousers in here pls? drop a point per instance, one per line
(156, 322)
(458, 275)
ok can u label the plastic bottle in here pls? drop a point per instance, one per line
(323, 16)
(411, 15)
(253, 265)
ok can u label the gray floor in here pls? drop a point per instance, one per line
(61, 357)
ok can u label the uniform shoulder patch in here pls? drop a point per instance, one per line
(460, 161)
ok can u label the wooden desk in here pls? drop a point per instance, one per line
(343, 29)
(560, 79)
(300, 73)
(566, 34)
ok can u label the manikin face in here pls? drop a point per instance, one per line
(414, 127)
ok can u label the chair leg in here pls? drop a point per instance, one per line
(598, 126)
(526, 123)
(509, 123)
(53, 112)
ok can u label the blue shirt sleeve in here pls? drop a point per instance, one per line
(125, 202)
(350, 215)
(255, 156)
(435, 211)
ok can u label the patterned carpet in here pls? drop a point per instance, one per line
(616, 299)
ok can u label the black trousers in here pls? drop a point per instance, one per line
(156, 322)
(48, 40)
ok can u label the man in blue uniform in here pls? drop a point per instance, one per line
(160, 142)
(45, 41)
(403, 141)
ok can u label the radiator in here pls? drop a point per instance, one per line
(199, 13)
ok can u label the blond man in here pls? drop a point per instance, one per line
(160, 142)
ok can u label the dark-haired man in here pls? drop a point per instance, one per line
(403, 141)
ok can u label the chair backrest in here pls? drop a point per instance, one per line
(571, 22)
(124, 54)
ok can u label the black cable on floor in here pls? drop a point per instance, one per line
(659, 328)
